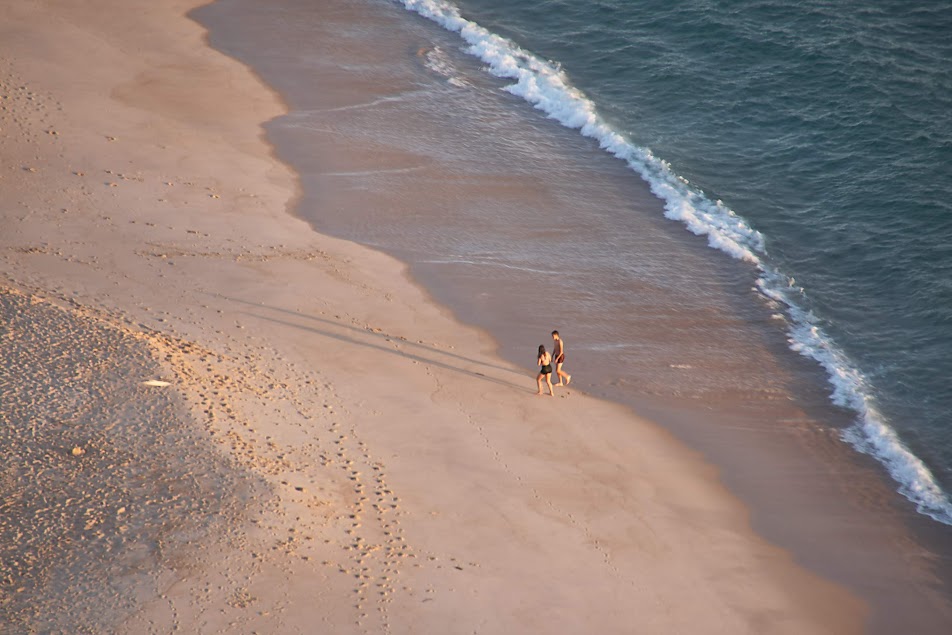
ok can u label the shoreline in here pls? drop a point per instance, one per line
(796, 478)
(412, 484)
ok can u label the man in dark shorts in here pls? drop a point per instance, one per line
(558, 358)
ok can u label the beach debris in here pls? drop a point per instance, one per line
(156, 382)
(78, 451)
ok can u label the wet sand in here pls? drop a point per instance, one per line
(334, 450)
(491, 220)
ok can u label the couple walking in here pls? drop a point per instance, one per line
(545, 364)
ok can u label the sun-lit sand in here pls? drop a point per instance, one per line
(348, 457)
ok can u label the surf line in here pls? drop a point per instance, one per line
(546, 87)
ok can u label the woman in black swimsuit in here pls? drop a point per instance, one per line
(545, 370)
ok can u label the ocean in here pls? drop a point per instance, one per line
(736, 204)
(812, 140)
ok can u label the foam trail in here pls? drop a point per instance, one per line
(489, 263)
(871, 434)
(546, 87)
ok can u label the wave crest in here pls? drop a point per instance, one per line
(546, 87)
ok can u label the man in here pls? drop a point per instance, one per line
(558, 356)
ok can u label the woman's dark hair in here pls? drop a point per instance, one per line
(541, 349)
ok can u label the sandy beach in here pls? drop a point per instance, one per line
(222, 421)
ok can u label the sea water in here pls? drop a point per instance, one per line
(681, 188)
(812, 140)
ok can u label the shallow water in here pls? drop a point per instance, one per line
(523, 225)
(811, 140)
(409, 140)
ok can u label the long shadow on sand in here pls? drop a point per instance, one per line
(407, 355)
(366, 332)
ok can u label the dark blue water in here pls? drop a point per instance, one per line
(811, 139)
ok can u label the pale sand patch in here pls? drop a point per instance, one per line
(416, 483)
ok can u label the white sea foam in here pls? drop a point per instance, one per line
(544, 85)
(437, 61)
(489, 263)
(370, 104)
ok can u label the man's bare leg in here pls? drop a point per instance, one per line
(561, 373)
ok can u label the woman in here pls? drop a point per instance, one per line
(545, 370)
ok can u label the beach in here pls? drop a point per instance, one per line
(227, 415)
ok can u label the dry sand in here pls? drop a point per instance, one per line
(376, 467)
